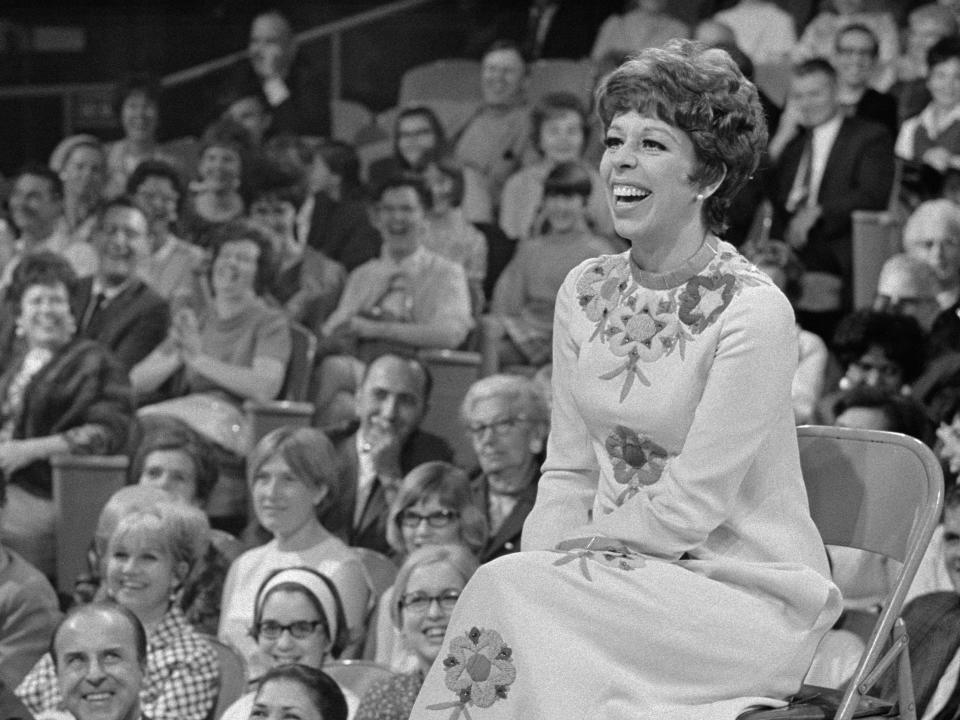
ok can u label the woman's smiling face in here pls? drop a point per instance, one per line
(286, 608)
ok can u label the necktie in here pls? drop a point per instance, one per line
(363, 502)
(96, 302)
(800, 191)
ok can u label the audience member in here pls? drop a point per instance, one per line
(855, 52)
(63, 394)
(908, 286)
(149, 555)
(507, 419)
(408, 298)
(236, 350)
(115, 307)
(339, 222)
(496, 141)
(173, 268)
(821, 33)
(29, 610)
(519, 327)
(932, 234)
(80, 162)
(136, 103)
(559, 135)
(36, 210)
(425, 592)
(946, 412)
(643, 24)
(215, 196)
(294, 478)
(307, 283)
(250, 109)
(777, 260)
(298, 619)
(926, 25)
(827, 166)
(297, 92)
(761, 28)
(933, 136)
(378, 449)
(715, 33)
(100, 655)
(873, 408)
(299, 690)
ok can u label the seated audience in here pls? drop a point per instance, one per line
(434, 504)
(307, 283)
(908, 286)
(29, 610)
(559, 135)
(519, 327)
(380, 447)
(136, 103)
(926, 25)
(932, 234)
(248, 108)
(149, 555)
(778, 261)
(643, 24)
(306, 691)
(496, 141)
(946, 412)
(408, 298)
(86, 636)
(62, 394)
(507, 419)
(933, 136)
(114, 306)
(236, 349)
(762, 29)
(855, 51)
(215, 197)
(293, 477)
(36, 210)
(425, 592)
(335, 219)
(298, 619)
(173, 267)
(80, 162)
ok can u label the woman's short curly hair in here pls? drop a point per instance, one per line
(243, 229)
(41, 268)
(701, 91)
(899, 336)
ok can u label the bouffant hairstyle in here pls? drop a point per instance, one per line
(521, 394)
(451, 486)
(40, 268)
(701, 91)
(167, 433)
(568, 178)
(145, 84)
(308, 453)
(243, 229)
(553, 105)
(438, 132)
(151, 168)
(899, 336)
(903, 414)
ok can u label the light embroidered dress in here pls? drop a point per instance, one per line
(700, 585)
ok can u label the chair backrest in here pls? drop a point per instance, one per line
(233, 676)
(876, 491)
(303, 349)
(876, 237)
(381, 571)
(347, 117)
(560, 74)
(82, 484)
(356, 675)
(453, 372)
(451, 78)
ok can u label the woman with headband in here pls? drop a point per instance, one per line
(297, 619)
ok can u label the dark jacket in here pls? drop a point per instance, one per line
(506, 540)
(342, 231)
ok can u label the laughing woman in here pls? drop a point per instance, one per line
(669, 567)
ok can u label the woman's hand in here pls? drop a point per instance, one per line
(16, 454)
(186, 332)
(365, 328)
(938, 158)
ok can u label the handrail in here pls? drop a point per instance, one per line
(326, 30)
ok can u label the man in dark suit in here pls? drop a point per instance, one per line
(856, 49)
(381, 448)
(826, 166)
(114, 306)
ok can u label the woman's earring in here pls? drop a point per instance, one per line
(700, 197)
(536, 445)
(18, 329)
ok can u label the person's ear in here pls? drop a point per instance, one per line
(319, 494)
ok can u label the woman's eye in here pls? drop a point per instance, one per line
(612, 142)
(653, 145)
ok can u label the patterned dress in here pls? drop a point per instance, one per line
(670, 568)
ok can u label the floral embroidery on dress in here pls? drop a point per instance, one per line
(479, 669)
(643, 325)
(637, 460)
(612, 553)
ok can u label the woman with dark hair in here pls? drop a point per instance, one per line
(879, 349)
(301, 691)
(671, 432)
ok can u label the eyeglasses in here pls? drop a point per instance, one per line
(500, 428)
(436, 520)
(301, 629)
(419, 603)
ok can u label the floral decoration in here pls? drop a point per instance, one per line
(611, 553)
(478, 669)
(641, 325)
(637, 460)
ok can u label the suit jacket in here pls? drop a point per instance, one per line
(507, 538)
(131, 325)
(880, 108)
(371, 531)
(858, 176)
(342, 231)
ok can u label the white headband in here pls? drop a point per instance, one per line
(315, 584)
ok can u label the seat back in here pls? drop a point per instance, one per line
(451, 79)
(303, 349)
(561, 75)
(381, 571)
(356, 675)
(233, 676)
(347, 117)
(876, 237)
(453, 372)
(876, 491)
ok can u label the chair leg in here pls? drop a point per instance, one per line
(908, 704)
